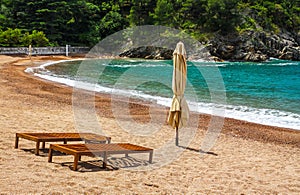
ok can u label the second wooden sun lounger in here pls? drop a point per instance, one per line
(60, 137)
(77, 150)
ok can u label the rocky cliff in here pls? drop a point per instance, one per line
(148, 52)
(250, 46)
(256, 46)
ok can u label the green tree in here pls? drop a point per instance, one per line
(10, 38)
(64, 22)
(163, 13)
(26, 39)
(140, 12)
(15, 37)
(82, 26)
(36, 38)
(222, 15)
(85, 22)
(4, 13)
(193, 15)
(111, 23)
(39, 39)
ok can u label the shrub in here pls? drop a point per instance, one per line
(10, 37)
(39, 39)
(15, 38)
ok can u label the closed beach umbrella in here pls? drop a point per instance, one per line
(179, 110)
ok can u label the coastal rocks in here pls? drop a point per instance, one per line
(255, 57)
(238, 48)
(256, 46)
(290, 53)
(158, 53)
(284, 45)
(148, 52)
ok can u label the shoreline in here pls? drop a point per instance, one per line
(234, 127)
(257, 134)
(250, 158)
(248, 117)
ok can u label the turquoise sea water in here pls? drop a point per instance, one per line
(266, 93)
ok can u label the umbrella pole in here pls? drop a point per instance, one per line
(176, 141)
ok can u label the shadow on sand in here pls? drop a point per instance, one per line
(198, 150)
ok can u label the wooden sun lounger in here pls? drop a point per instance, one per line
(78, 150)
(60, 137)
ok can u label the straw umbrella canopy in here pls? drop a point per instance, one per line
(179, 110)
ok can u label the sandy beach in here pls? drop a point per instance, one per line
(247, 158)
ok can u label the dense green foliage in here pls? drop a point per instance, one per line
(85, 22)
(14, 37)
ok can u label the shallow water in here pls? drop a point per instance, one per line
(265, 93)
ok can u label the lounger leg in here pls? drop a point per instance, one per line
(65, 142)
(37, 148)
(150, 156)
(104, 159)
(50, 155)
(17, 141)
(43, 145)
(76, 158)
(126, 155)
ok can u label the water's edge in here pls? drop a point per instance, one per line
(268, 117)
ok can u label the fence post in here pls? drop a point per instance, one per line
(29, 51)
(67, 50)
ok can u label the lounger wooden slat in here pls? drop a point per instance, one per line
(59, 137)
(103, 150)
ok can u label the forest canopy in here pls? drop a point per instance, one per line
(86, 22)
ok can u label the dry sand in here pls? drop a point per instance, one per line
(247, 158)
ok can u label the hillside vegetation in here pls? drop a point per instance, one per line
(86, 22)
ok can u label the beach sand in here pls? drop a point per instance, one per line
(247, 158)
